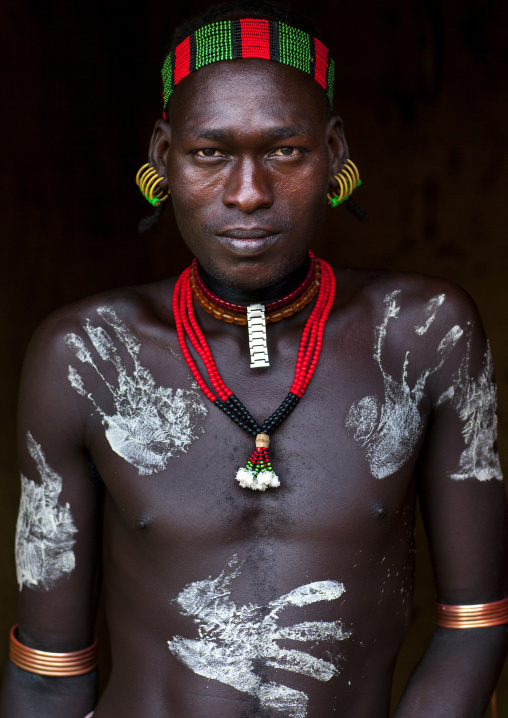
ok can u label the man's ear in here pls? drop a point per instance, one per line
(337, 147)
(159, 147)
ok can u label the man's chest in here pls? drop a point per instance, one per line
(327, 487)
(163, 449)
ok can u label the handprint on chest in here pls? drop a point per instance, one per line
(150, 424)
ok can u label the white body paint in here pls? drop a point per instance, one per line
(390, 431)
(150, 423)
(475, 402)
(430, 313)
(233, 638)
(45, 531)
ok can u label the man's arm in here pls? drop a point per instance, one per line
(58, 533)
(463, 503)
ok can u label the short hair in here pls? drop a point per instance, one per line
(236, 10)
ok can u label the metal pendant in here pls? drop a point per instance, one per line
(256, 325)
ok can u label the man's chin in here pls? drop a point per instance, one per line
(252, 275)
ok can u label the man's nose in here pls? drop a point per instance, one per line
(248, 187)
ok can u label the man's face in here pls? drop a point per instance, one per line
(250, 156)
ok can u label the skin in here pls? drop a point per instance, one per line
(246, 183)
(331, 520)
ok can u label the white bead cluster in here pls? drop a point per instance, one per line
(264, 480)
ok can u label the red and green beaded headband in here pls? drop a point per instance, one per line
(236, 39)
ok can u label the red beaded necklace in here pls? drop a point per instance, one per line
(258, 472)
(256, 316)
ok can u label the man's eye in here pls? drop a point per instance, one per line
(287, 152)
(208, 152)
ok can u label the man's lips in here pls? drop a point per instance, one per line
(247, 242)
(247, 233)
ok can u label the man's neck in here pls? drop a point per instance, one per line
(265, 295)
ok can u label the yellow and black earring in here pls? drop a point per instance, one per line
(148, 182)
(348, 180)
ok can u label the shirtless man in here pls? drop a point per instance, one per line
(224, 601)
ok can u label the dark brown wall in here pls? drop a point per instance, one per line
(420, 84)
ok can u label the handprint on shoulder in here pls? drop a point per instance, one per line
(389, 429)
(150, 423)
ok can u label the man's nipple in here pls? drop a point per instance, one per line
(379, 510)
(144, 520)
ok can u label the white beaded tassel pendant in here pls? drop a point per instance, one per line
(256, 325)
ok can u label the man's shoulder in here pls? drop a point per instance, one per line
(135, 307)
(415, 295)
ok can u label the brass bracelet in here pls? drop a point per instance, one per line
(44, 663)
(476, 615)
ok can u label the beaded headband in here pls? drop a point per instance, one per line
(236, 39)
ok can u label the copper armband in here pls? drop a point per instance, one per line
(44, 663)
(476, 615)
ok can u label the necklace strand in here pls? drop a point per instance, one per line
(257, 316)
(231, 316)
(240, 308)
(258, 472)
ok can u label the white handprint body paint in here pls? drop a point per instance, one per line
(475, 401)
(44, 531)
(430, 313)
(390, 431)
(234, 641)
(151, 423)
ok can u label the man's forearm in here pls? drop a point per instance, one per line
(457, 674)
(27, 695)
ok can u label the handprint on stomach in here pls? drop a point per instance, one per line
(150, 423)
(236, 642)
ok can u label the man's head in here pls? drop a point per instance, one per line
(249, 151)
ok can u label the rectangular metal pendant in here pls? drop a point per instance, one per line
(256, 325)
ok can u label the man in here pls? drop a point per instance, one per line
(222, 599)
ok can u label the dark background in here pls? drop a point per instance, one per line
(421, 85)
